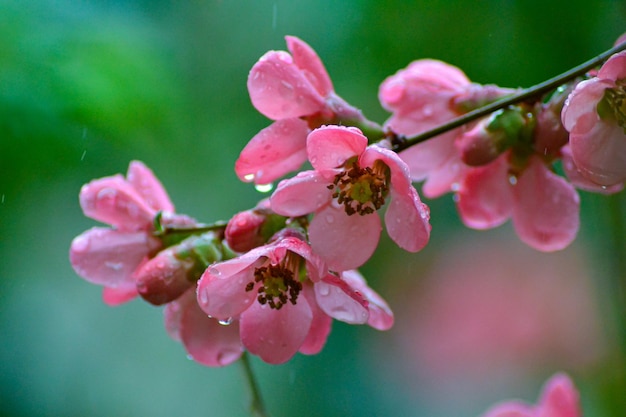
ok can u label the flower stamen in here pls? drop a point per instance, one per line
(361, 190)
(279, 283)
(615, 98)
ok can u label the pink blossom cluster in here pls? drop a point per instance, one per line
(272, 278)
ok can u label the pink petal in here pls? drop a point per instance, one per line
(485, 199)
(329, 147)
(380, 315)
(581, 102)
(320, 326)
(337, 299)
(206, 341)
(163, 278)
(559, 398)
(273, 152)
(117, 296)
(400, 177)
(149, 187)
(109, 257)
(600, 153)
(445, 178)
(427, 156)
(309, 62)
(302, 194)
(280, 90)
(344, 242)
(546, 208)
(614, 68)
(581, 182)
(114, 201)
(276, 335)
(407, 220)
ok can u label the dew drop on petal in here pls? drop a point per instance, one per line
(115, 266)
(227, 356)
(203, 298)
(330, 219)
(455, 187)
(215, 272)
(264, 188)
(80, 244)
(225, 322)
(324, 290)
(512, 179)
(248, 177)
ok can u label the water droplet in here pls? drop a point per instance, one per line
(189, 357)
(324, 289)
(512, 179)
(455, 187)
(203, 298)
(225, 322)
(330, 219)
(427, 110)
(80, 244)
(228, 356)
(456, 198)
(215, 272)
(248, 177)
(264, 188)
(116, 266)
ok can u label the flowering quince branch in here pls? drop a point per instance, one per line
(534, 92)
(270, 280)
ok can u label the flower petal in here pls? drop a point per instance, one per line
(279, 90)
(311, 65)
(109, 257)
(337, 299)
(581, 182)
(329, 147)
(484, 198)
(614, 68)
(222, 288)
(276, 335)
(206, 341)
(559, 398)
(344, 242)
(320, 326)
(407, 220)
(546, 212)
(380, 315)
(273, 152)
(116, 296)
(149, 187)
(302, 194)
(114, 201)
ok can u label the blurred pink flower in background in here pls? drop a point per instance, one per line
(490, 308)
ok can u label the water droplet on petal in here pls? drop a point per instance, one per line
(225, 322)
(264, 188)
(116, 266)
(215, 272)
(455, 187)
(330, 219)
(512, 179)
(248, 177)
(80, 244)
(323, 289)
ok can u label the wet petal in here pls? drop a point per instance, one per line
(329, 147)
(115, 201)
(117, 296)
(579, 180)
(546, 212)
(273, 152)
(337, 299)
(320, 325)
(206, 341)
(302, 194)
(344, 242)
(614, 68)
(109, 257)
(380, 315)
(149, 187)
(311, 65)
(279, 89)
(408, 220)
(276, 335)
(485, 199)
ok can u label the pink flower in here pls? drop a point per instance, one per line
(109, 256)
(423, 96)
(283, 298)
(544, 207)
(595, 116)
(295, 91)
(349, 183)
(559, 398)
(206, 340)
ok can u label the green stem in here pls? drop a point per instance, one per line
(194, 230)
(400, 144)
(257, 407)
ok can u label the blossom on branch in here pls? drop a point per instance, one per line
(283, 299)
(296, 91)
(110, 256)
(349, 183)
(595, 116)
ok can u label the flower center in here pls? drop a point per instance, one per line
(615, 100)
(279, 283)
(361, 190)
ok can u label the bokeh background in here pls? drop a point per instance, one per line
(87, 86)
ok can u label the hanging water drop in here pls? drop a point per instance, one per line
(226, 322)
(264, 188)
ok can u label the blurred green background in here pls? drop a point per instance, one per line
(87, 86)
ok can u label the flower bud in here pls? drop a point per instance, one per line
(479, 146)
(174, 270)
(252, 228)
